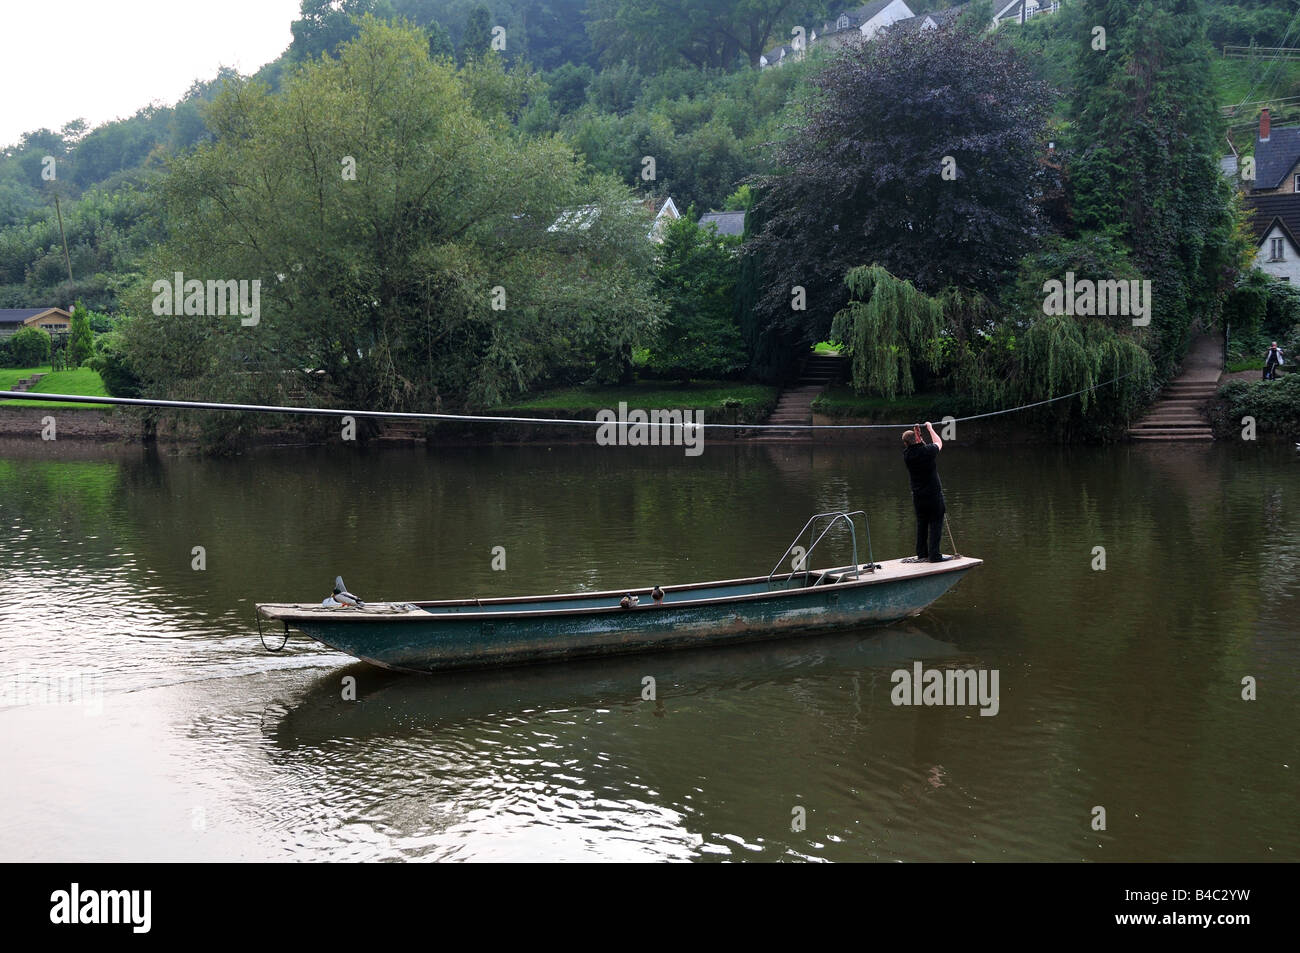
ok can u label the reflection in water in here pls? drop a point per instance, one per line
(1119, 687)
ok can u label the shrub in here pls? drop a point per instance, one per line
(30, 347)
(1275, 405)
(111, 363)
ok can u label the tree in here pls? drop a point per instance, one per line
(887, 325)
(1146, 137)
(457, 265)
(477, 38)
(440, 43)
(916, 153)
(697, 280)
(81, 341)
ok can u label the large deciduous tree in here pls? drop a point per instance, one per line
(410, 254)
(918, 152)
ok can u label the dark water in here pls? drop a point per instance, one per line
(1118, 688)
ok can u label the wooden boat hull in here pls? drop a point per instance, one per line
(433, 636)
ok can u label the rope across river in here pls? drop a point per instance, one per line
(488, 418)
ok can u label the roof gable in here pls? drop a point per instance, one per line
(1276, 156)
(1264, 212)
(23, 315)
(727, 223)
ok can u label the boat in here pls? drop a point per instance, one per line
(511, 630)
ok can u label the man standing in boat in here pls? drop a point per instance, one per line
(922, 460)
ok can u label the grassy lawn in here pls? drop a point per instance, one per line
(81, 381)
(826, 348)
(752, 402)
(840, 401)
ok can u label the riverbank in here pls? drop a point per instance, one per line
(876, 422)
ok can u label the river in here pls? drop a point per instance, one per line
(128, 579)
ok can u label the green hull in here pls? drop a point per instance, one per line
(434, 636)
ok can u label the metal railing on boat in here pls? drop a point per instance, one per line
(832, 518)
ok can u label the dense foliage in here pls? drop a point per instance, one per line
(458, 264)
(377, 290)
(919, 152)
(1274, 405)
(29, 347)
(1146, 136)
(697, 280)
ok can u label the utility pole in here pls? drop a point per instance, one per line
(67, 259)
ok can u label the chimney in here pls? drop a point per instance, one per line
(1263, 125)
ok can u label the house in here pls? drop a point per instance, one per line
(727, 223)
(1275, 223)
(852, 26)
(54, 320)
(862, 23)
(1273, 202)
(916, 24)
(1277, 158)
(1018, 11)
(665, 211)
(779, 56)
(582, 217)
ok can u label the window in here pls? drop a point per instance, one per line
(842, 23)
(1295, 183)
(1275, 249)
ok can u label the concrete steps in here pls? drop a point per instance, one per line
(1179, 413)
(27, 383)
(795, 404)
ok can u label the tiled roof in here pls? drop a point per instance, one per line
(728, 223)
(1264, 210)
(865, 13)
(1276, 157)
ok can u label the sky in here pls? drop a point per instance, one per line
(104, 59)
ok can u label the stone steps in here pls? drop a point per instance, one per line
(27, 383)
(795, 403)
(1179, 412)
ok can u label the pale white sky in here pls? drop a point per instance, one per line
(104, 59)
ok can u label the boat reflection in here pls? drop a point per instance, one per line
(361, 702)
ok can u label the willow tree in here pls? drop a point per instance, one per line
(887, 325)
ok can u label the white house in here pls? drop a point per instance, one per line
(1018, 11)
(582, 217)
(857, 25)
(1275, 223)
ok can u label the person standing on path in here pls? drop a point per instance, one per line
(1271, 362)
(922, 463)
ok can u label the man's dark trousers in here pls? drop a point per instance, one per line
(929, 524)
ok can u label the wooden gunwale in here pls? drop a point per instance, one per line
(290, 612)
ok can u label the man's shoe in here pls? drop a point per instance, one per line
(942, 559)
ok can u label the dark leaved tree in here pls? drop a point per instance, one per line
(919, 152)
